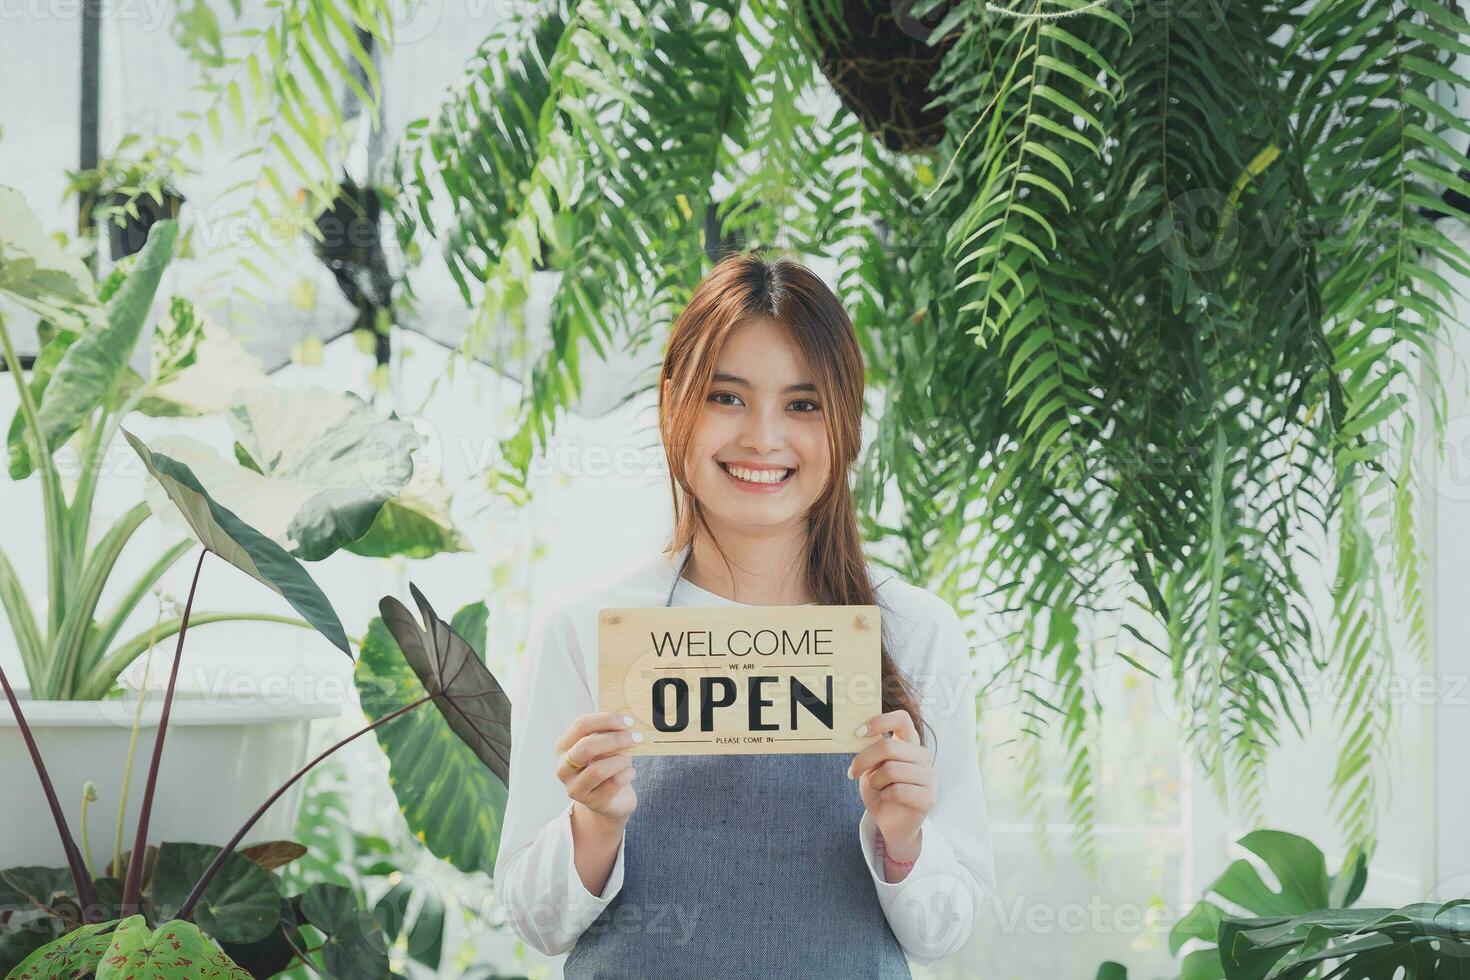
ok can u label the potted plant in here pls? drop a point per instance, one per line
(128, 196)
(80, 389)
(220, 905)
(1246, 929)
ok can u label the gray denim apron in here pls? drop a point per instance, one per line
(742, 867)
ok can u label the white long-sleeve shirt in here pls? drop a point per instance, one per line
(932, 911)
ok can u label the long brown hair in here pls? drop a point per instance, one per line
(746, 286)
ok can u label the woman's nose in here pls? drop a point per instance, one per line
(763, 432)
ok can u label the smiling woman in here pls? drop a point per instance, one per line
(822, 863)
(761, 429)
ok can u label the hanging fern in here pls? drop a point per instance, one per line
(1143, 325)
(276, 79)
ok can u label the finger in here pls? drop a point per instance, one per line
(590, 748)
(920, 798)
(593, 748)
(885, 748)
(898, 721)
(596, 721)
(609, 787)
(580, 782)
(894, 771)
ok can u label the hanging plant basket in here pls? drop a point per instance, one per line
(882, 67)
(126, 234)
(351, 247)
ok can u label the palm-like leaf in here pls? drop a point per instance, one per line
(1144, 327)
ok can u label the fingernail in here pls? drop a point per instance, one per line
(628, 720)
(849, 770)
(862, 729)
(637, 736)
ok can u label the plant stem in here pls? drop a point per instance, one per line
(228, 849)
(51, 496)
(88, 795)
(86, 894)
(133, 885)
(122, 801)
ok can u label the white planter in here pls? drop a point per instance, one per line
(221, 759)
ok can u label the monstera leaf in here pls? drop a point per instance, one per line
(1297, 865)
(312, 471)
(75, 954)
(1417, 941)
(449, 768)
(175, 950)
(224, 533)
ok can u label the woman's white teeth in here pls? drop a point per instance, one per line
(757, 476)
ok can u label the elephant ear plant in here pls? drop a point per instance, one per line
(113, 927)
(316, 471)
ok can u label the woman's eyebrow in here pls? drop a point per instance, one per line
(735, 380)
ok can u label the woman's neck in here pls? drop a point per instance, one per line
(765, 569)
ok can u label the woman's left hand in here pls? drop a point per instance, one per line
(896, 781)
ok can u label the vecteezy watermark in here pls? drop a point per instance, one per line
(152, 14)
(945, 907)
(572, 457)
(229, 687)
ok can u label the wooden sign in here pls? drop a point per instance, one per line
(741, 679)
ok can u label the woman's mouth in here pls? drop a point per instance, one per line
(757, 480)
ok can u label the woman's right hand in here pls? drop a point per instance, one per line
(602, 780)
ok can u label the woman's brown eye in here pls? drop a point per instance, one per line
(724, 394)
(814, 406)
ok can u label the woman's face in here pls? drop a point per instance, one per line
(759, 454)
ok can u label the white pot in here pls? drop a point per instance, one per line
(221, 759)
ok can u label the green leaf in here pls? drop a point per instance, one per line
(1297, 864)
(36, 273)
(354, 944)
(176, 950)
(206, 378)
(241, 904)
(273, 954)
(71, 957)
(225, 534)
(321, 466)
(52, 352)
(414, 523)
(424, 929)
(92, 367)
(448, 767)
(472, 624)
(26, 887)
(1421, 940)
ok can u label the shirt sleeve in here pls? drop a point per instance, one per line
(536, 877)
(933, 911)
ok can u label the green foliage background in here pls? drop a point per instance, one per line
(1144, 326)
